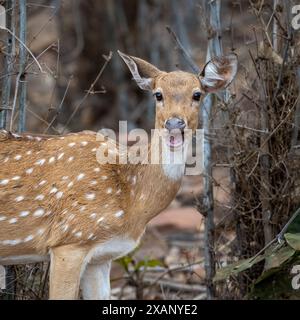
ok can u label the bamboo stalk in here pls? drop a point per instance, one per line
(212, 9)
(8, 65)
(22, 73)
(6, 91)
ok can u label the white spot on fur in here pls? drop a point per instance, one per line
(93, 182)
(53, 190)
(100, 219)
(28, 238)
(19, 198)
(94, 149)
(51, 160)
(6, 159)
(18, 157)
(84, 143)
(40, 197)
(65, 178)
(97, 169)
(93, 215)
(60, 156)
(70, 159)
(39, 212)
(29, 171)
(2, 218)
(90, 236)
(82, 208)
(24, 214)
(78, 234)
(42, 182)
(65, 228)
(16, 178)
(80, 176)
(72, 144)
(59, 194)
(70, 184)
(134, 180)
(40, 162)
(90, 196)
(109, 190)
(13, 220)
(29, 152)
(119, 213)
(104, 178)
(14, 242)
(4, 182)
(118, 192)
(41, 231)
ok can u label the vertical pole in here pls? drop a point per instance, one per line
(208, 202)
(8, 64)
(212, 9)
(22, 59)
(5, 103)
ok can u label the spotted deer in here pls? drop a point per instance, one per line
(58, 202)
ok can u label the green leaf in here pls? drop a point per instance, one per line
(152, 263)
(125, 262)
(276, 283)
(236, 268)
(276, 258)
(293, 239)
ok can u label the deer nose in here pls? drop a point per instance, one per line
(175, 123)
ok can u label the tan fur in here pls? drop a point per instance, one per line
(56, 198)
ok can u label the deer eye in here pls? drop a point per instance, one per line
(197, 96)
(158, 96)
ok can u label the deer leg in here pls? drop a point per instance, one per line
(95, 282)
(67, 265)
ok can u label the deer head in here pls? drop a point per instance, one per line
(178, 94)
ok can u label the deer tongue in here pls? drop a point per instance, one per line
(175, 140)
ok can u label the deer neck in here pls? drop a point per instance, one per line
(155, 184)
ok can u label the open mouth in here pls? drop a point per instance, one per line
(175, 139)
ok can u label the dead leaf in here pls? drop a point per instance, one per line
(266, 51)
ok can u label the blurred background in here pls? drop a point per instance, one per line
(72, 41)
(70, 37)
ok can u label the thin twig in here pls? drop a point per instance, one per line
(60, 106)
(29, 51)
(183, 51)
(90, 90)
(280, 235)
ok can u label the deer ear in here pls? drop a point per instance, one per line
(142, 71)
(219, 73)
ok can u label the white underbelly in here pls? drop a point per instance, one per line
(112, 249)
